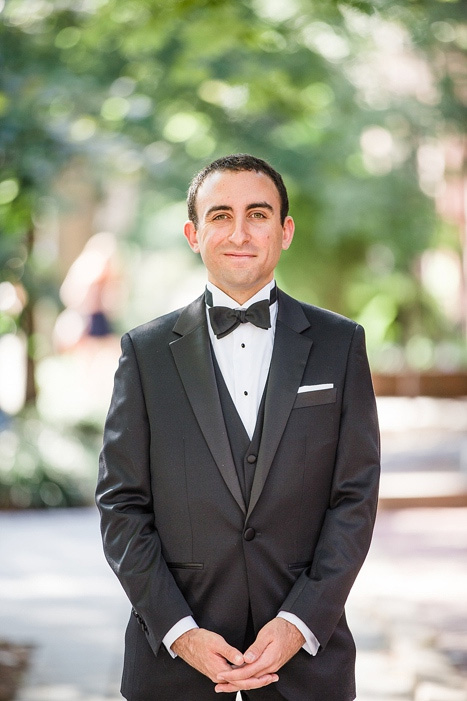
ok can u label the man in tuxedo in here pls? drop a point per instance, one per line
(239, 473)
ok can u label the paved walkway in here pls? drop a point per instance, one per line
(408, 609)
(58, 593)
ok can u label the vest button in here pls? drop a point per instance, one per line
(249, 534)
(251, 459)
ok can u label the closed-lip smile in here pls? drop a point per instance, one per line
(240, 254)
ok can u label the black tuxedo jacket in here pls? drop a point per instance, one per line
(176, 529)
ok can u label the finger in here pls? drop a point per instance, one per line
(251, 683)
(264, 665)
(231, 654)
(225, 688)
(255, 650)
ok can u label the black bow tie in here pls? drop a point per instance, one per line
(224, 320)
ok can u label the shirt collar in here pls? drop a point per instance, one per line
(220, 298)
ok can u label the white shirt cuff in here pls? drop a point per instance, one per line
(182, 626)
(311, 643)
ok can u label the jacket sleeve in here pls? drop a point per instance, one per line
(319, 595)
(124, 497)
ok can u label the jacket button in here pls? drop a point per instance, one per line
(251, 459)
(249, 534)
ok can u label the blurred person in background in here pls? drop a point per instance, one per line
(89, 292)
(239, 474)
(88, 347)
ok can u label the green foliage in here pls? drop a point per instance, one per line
(45, 466)
(339, 95)
(156, 89)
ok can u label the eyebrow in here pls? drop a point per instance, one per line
(260, 205)
(228, 208)
(218, 208)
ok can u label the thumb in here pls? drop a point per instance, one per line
(256, 649)
(231, 654)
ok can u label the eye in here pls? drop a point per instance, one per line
(219, 217)
(258, 215)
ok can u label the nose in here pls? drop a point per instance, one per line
(239, 234)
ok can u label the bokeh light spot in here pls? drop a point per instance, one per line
(9, 190)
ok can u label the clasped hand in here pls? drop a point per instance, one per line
(231, 670)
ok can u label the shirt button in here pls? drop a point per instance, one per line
(245, 393)
(249, 534)
(251, 459)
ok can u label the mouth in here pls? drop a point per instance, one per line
(242, 254)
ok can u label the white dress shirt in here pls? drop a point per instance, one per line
(244, 357)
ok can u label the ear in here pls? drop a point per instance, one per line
(287, 232)
(191, 235)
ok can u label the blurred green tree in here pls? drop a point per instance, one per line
(341, 97)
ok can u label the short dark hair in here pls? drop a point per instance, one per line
(237, 162)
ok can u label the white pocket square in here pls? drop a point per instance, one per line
(314, 388)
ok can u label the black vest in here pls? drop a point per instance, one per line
(244, 451)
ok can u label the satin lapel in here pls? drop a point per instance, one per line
(289, 358)
(192, 356)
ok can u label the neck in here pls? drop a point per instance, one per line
(241, 296)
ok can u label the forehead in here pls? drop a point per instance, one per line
(237, 189)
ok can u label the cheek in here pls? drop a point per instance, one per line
(204, 245)
(274, 248)
(212, 240)
(209, 251)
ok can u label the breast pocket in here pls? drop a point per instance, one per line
(315, 398)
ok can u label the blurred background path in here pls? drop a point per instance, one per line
(408, 609)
